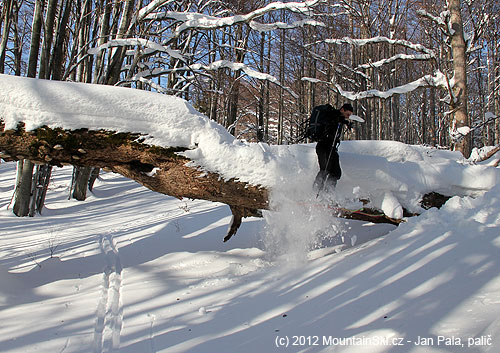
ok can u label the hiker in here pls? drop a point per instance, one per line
(326, 149)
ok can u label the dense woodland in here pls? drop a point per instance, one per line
(419, 71)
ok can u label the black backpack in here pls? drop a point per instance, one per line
(316, 124)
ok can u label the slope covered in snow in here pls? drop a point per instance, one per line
(136, 271)
(130, 270)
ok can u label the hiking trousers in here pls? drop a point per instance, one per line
(329, 167)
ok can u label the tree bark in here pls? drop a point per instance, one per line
(57, 60)
(114, 68)
(103, 38)
(459, 101)
(35, 38)
(23, 192)
(81, 182)
(5, 32)
(23, 189)
(47, 39)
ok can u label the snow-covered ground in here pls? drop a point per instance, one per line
(131, 270)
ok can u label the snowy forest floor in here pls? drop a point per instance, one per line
(131, 270)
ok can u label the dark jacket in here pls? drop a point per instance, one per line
(333, 130)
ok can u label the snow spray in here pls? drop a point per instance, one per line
(297, 224)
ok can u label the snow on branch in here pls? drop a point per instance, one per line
(152, 46)
(394, 58)
(437, 80)
(458, 134)
(146, 10)
(442, 20)
(267, 27)
(220, 64)
(216, 65)
(193, 20)
(147, 81)
(381, 39)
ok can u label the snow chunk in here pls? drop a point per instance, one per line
(391, 206)
(490, 116)
(356, 118)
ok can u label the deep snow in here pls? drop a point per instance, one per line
(136, 271)
(130, 270)
(392, 175)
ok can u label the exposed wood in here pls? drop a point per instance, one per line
(368, 215)
(433, 199)
(238, 214)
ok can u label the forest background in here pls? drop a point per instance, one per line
(419, 72)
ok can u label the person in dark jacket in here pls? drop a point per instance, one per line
(327, 149)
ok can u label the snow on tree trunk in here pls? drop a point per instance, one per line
(157, 168)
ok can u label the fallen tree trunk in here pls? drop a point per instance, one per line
(157, 168)
(160, 169)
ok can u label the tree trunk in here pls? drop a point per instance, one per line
(282, 80)
(115, 66)
(81, 181)
(47, 39)
(94, 174)
(83, 68)
(423, 117)
(57, 60)
(35, 38)
(432, 116)
(262, 93)
(116, 152)
(41, 178)
(8, 5)
(23, 192)
(459, 101)
(103, 38)
(18, 45)
(44, 173)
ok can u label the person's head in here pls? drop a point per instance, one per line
(346, 110)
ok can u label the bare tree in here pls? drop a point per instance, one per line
(24, 184)
(6, 17)
(460, 96)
